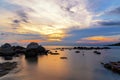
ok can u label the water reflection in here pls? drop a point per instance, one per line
(32, 60)
(76, 67)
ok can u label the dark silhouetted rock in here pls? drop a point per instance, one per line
(54, 53)
(113, 66)
(96, 52)
(63, 57)
(116, 44)
(19, 49)
(90, 48)
(8, 57)
(34, 49)
(6, 50)
(6, 67)
(77, 51)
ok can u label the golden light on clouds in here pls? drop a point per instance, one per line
(98, 39)
(50, 18)
(28, 41)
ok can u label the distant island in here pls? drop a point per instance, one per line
(116, 44)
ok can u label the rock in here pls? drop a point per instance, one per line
(6, 67)
(34, 49)
(19, 49)
(63, 57)
(6, 50)
(77, 51)
(54, 53)
(31, 53)
(8, 57)
(113, 66)
(9, 65)
(6, 45)
(97, 52)
(91, 48)
(32, 45)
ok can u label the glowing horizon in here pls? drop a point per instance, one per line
(59, 21)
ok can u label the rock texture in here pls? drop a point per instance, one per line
(34, 49)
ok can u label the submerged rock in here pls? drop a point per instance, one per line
(91, 48)
(77, 51)
(96, 52)
(63, 57)
(54, 53)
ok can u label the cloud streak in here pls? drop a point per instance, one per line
(108, 23)
(99, 39)
(51, 20)
(51, 17)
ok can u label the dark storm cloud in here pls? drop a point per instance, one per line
(109, 23)
(23, 15)
(115, 11)
(16, 21)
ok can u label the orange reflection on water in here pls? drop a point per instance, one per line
(53, 66)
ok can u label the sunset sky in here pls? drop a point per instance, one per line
(60, 21)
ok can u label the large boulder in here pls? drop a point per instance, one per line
(34, 49)
(6, 50)
(32, 45)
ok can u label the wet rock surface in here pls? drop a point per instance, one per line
(113, 66)
(6, 67)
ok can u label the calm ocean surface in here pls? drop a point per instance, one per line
(75, 67)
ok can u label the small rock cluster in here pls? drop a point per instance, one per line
(32, 50)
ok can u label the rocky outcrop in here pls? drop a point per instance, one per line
(116, 44)
(19, 49)
(96, 52)
(6, 50)
(113, 66)
(6, 67)
(34, 49)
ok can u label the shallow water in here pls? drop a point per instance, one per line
(75, 67)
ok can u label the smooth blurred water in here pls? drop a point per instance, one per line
(75, 67)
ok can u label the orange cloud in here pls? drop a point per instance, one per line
(101, 39)
(28, 41)
(98, 39)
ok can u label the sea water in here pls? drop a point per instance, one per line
(76, 67)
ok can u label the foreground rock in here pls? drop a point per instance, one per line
(113, 66)
(34, 49)
(6, 50)
(6, 67)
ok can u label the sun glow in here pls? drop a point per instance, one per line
(51, 19)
